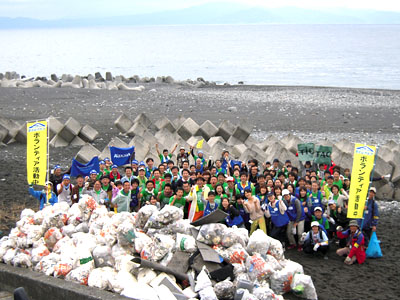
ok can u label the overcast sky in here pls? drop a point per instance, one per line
(54, 9)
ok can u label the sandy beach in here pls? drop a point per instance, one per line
(312, 113)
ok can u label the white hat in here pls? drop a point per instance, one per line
(285, 192)
(318, 208)
(372, 189)
(314, 223)
(331, 202)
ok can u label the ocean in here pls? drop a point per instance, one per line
(362, 56)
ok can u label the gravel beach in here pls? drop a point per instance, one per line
(312, 113)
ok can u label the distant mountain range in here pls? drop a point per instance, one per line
(221, 13)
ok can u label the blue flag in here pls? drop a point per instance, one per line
(78, 168)
(121, 156)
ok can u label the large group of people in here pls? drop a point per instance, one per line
(305, 209)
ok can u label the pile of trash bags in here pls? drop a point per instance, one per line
(152, 254)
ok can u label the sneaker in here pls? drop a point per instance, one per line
(291, 247)
(299, 248)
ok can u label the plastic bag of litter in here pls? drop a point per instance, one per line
(27, 212)
(275, 248)
(103, 257)
(259, 242)
(170, 214)
(52, 236)
(126, 233)
(211, 234)
(47, 263)
(303, 286)
(141, 241)
(68, 230)
(159, 247)
(204, 286)
(38, 253)
(258, 268)
(265, 293)
(38, 217)
(180, 226)
(121, 280)
(234, 235)
(235, 254)
(224, 290)
(86, 265)
(85, 240)
(61, 270)
(281, 280)
(185, 243)
(100, 278)
(82, 227)
(144, 214)
(22, 258)
(56, 219)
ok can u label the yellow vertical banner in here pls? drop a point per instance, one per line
(36, 152)
(363, 163)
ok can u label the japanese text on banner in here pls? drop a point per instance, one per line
(36, 152)
(363, 163)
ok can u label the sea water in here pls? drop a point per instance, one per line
(366, 56)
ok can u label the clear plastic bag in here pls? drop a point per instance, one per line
(211, 234)
(258, 268)
(275, 248)
(224, 290)
(281, 280)
(100, 278)
(38, 253)
(126, 233)
(103, 257)
(121, 280)
(303, 287)
(160, 246)
(185, 243)
(144, 214)
(234, 235)
(180, 226)
(68, 230)
(52, 236)
(259, 242)
(22, 258)
(47, 264)
(265, 293)
(235, 254)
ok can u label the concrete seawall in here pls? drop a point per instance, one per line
(40, 287)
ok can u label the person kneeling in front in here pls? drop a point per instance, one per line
(355, 243)
(316, 240)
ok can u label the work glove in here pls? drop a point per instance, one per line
(316, 247)
(339, 228)
(347, 261)
(303, 236)
(86, 184)
(331, 220)
(101, 201)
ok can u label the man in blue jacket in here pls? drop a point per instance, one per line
(371, 216)
(42, 195)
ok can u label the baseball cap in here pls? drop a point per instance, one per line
(331, 202)
(288, 161)
(57, 167)
(93, 172)
(230, 179)
(200, 151)
(106, 159)
(102, 162)
(141, 168)
(330, 177)
(318, 208)
(270, 194)
(372, 189)
(314, 223)
(142, 163)
(135, 162)
(285, 192)
(268, 163)
(276, 160)
(182, 148)
(114, 167)
(66, 176)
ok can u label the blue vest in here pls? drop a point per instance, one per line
(235, 221)
(292, 211)
(277, 218)
(315, 202)
(245, 216)
(134, 198)
(241, 189)
(208, 210)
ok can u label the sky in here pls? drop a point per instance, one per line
(56, 9)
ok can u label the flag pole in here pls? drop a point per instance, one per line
(48, 160)
(369, 186)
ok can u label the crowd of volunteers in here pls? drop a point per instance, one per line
(305, 209)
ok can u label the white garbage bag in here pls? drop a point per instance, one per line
(303, 287)
(185, 243)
